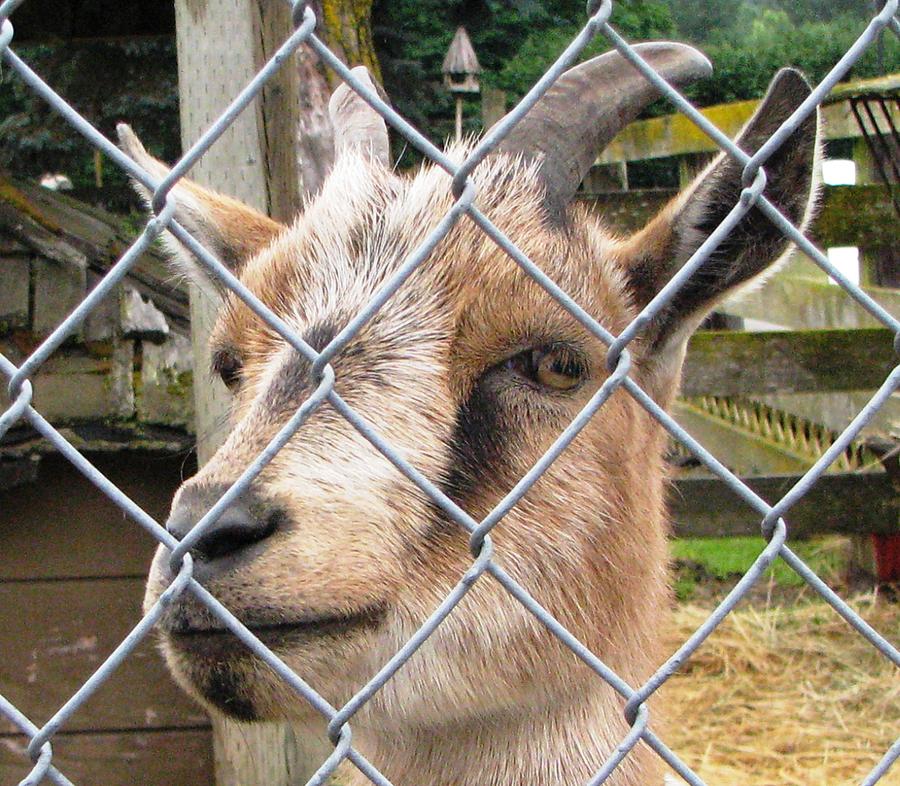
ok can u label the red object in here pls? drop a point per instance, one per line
(887, 557)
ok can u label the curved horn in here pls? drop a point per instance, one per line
(356, 124)
(587, 106)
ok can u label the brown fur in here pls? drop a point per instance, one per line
(491, 698)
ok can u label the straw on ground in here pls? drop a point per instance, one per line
(786, 695)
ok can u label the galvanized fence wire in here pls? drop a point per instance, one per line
(485, 561)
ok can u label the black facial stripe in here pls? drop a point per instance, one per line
(362, 364)
(479, 442)
(475, 457)
(221, 687)
(321, 335)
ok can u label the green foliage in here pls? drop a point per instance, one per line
(749, 41)
(695, 19)
(106, 81)
(515, 40)
(635, 20)
(135, 78)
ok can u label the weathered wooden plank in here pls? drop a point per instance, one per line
(727, 363)
(76, 386)
(54, 635)
(165, 393)
(15, 274)
(71, 370)
(674, 135)
(809, 304)
(43, 535)
(58, 289)
(848, 216)
(159, 758)
(846, 503)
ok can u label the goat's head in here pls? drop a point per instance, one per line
(470, 371)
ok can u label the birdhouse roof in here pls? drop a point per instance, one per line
(460, 58)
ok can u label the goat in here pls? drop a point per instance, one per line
(470, 371)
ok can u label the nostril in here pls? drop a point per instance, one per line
(225, 541)
(236, 529)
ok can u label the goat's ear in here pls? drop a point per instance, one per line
(656, 253)
(230, 230)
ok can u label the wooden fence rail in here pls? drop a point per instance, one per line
(729, 363)
(852, 503)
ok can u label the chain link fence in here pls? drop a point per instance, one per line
(485, 565)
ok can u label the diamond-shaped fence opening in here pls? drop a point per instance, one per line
(486, 564)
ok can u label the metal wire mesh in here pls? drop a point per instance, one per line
(484, 560)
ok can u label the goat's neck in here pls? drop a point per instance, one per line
(558, 746)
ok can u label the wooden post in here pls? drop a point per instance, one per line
(459, 108)
(493, 105)
(221, 45)
(866, 168)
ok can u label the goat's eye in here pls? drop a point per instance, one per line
(228, 366)
(556, 368)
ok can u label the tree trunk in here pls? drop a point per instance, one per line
(347, 29)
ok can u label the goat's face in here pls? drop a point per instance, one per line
(469, 371)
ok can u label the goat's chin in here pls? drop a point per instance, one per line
(218, 671)
(330, 651)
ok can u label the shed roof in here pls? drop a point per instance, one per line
(71, 232)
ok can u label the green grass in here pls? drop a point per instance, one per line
(726, 559)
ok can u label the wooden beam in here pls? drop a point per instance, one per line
(114, 758)
(879, 85)
(848, 215)
(808, 303)
(844, 504)
(90, 540)
(65, 230)
(727, 363)
(676, 135)
(53, 635)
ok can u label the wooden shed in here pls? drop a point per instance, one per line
(73, 567)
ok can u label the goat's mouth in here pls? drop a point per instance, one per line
(201, 639)
(214, 666)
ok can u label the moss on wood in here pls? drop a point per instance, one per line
(21, 202)
(733, 362)
(857, 216)
(348, 28)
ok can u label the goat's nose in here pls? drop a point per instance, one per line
(237, 528)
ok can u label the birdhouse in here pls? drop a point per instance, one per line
(461, 68)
